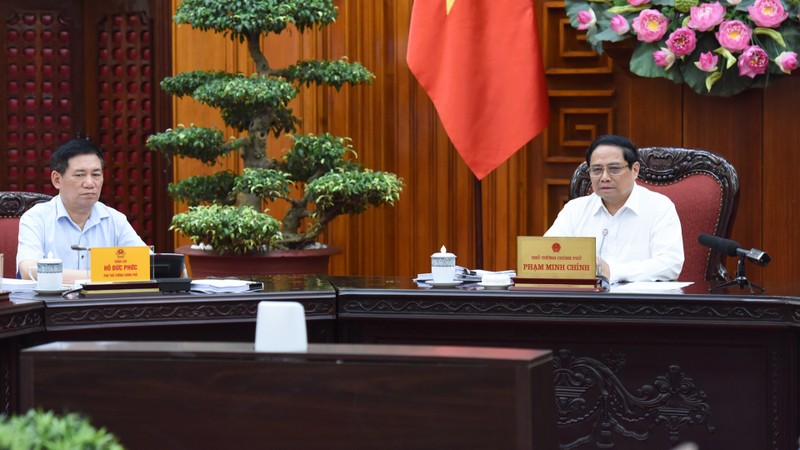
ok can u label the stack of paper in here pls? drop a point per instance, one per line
(650, 286)
(15, 285)
(215, 286)
(466, 275)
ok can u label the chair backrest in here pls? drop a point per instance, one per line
(705, 189)
(12, 206)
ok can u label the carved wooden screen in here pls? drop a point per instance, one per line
(583, 95)
(92, 68)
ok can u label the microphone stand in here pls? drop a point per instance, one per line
(740, 280)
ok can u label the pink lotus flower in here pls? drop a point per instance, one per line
(787, 61)
(586, 19)
(682, 41)
(650, 26)
(706, 16)
(638, 2)
(734, 35)
(620, 25)
(767, 13)
(707, 62)
(753, 61)
(664, 58)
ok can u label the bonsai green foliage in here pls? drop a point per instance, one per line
(319, 176)
(331, 73)
(216, 188)
(38, 430)
(204, 144)
(242, 19)
(228, 229)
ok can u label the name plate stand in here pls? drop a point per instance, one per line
(557, 264)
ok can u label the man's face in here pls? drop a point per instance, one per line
(615, 183)
(81, 183)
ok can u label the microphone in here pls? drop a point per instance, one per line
(731, 248)
(79, 248)
(600, 251)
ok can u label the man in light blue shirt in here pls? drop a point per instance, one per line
(75, 217)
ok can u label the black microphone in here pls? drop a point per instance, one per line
(731, 248)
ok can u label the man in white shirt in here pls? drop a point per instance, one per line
(637, 230)
(74, 217)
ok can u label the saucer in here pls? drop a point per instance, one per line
(58, 291)
(443, 284)
(495, 286)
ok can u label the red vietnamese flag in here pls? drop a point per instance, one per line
(481, 64)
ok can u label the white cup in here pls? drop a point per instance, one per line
(281, 327)
(50, 272)
(443, 266)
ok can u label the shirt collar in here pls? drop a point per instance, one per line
(95, 217)
(634, 202)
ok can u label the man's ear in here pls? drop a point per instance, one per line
(55, 178)
(635, 168)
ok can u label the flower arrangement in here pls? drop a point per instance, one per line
(717, 48)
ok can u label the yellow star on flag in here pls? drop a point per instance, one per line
(450, 5)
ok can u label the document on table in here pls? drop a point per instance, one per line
(213, 286)
(16, 285)
(650, 286)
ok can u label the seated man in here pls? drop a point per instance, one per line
(74, 217)
(638, 231)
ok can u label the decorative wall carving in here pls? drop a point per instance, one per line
(39, 96)
(88, 68)
(125, 112)
(565, 49)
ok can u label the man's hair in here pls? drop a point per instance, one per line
(71, 149)
(629, 150)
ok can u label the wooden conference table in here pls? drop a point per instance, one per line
(632, 371)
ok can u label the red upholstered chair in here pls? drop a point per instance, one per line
(12, 205)
(705, 189)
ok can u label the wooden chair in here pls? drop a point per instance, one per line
(12, 206)
(705, 189)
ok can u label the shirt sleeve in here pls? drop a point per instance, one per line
(29, 240)
(127, 236)
(563, 225)
(666, 252)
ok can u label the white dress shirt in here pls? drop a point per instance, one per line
(644, 240)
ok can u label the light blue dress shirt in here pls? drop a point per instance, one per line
(47, 230)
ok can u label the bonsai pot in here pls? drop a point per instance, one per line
(205, 263)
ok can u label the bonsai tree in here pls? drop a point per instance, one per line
(319, 176)
(45, 430)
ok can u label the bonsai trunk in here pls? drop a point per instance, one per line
(254, 155)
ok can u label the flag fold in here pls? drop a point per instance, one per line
(481, 64)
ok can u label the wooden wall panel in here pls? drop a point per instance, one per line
(89, 68)
(717, 124)
(395, 128)
(780, 204)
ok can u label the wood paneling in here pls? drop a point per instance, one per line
(89, 68)
(395, 128)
